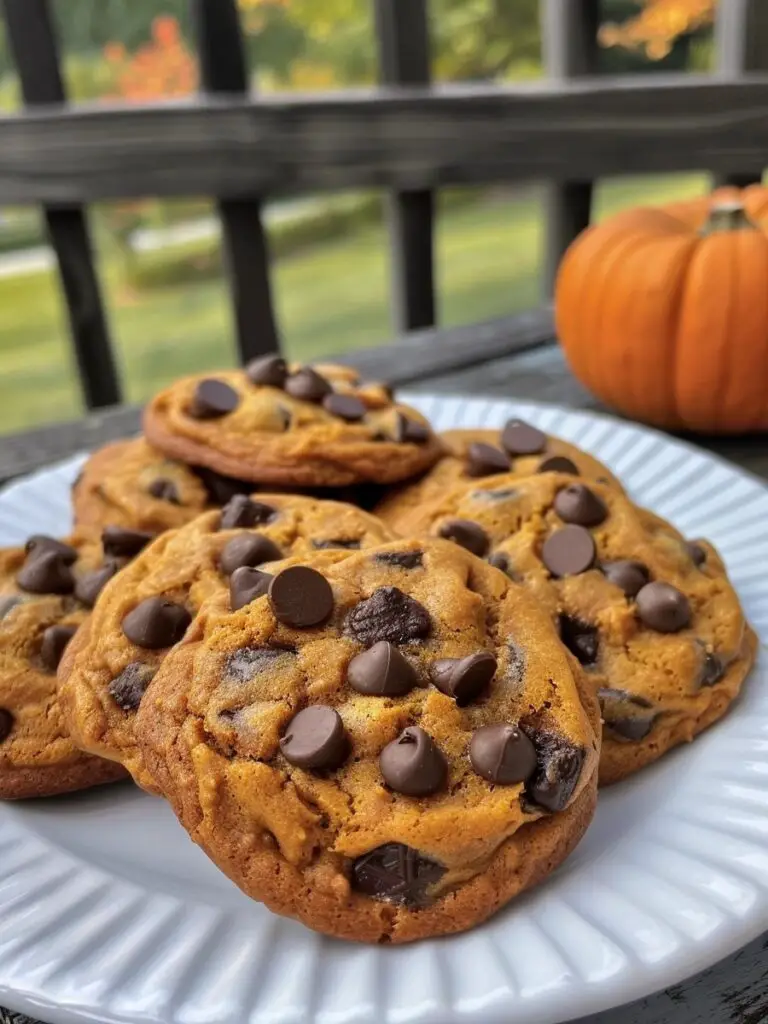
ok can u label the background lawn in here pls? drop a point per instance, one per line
(331, 297)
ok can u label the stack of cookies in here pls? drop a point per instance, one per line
(377, 673)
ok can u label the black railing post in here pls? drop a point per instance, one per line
(33, 42)
(402, 34)
(223, 70)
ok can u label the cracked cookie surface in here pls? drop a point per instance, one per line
(291, 426)
(652, 617)
(39, 613)
(387, 745)
(518, 449)
(110, 663)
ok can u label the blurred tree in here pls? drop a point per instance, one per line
(162, 67)
(656, 28)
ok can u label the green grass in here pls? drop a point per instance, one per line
(330, 298)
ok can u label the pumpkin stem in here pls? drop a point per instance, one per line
(727, 215)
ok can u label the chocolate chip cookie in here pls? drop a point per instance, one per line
(130, 483)
(387, 745)
(44, 597)
(518, 449)
(140, 616)
(651, 617)
(294, 426)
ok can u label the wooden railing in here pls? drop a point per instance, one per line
(406, 136)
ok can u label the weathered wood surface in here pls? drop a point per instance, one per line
(30, 30)
(407, 139)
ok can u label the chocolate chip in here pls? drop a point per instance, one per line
(410, 431)
(246, 663)
(241, 511)
(221, 489)
(127, 689)
(55, 639)
(627, 575)
(39, 543)
(713, 666)
(625, 714)
(559, 765)
(300, 597)
(212, 399)
(464, 679)
(696, 552)
(519, 438)
(569, 551)
(558, 464)
(577, 504)
(6, 724)
(89, 586)
(307, 385)
(502, 754)
(336, 542)
(267, 371)
(46, 573)
(248, 549)
(466, 534)
(388, 614)
(346, 407)
(165, 490)
(413, 764)
(397, 874)
(156, 623)
(500, 561)
(315, 738)
(663, 607)
(382, 671)
(401, 559)
(121, 542)
(245, 585)
(485, 459)
(580, 638)
(7, 603)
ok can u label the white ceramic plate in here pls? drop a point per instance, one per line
(108, 912)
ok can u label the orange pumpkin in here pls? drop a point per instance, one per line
(663, 313)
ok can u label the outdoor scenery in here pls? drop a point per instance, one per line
(161, 262)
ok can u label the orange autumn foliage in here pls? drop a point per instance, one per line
(658, 25)
(162, 67)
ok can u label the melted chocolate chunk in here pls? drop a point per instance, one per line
(164, 490)
(241, 511)
(121, 542)
(559, 765)
(580, 638)
(128, 688)
(410, 431)
(244, 665)
(388, 614)
(397, 874)
(402, 559)
(336, 542)
(625, 714)
(6, 724)
(466, 534)
(48, 572)
(40, 543)
(515, 673)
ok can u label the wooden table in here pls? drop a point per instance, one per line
(511, 358)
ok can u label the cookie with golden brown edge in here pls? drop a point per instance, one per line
(130, 483)
(294, 426)
(144, 612)
(41, 587)
(388, 746)
(518, 449)
(652, 617)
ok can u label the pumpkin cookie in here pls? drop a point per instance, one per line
(130, 483)
(46, 590)
(388, 746)
(652, 617)
(141, 615)
(292, 426)
(518, 449)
